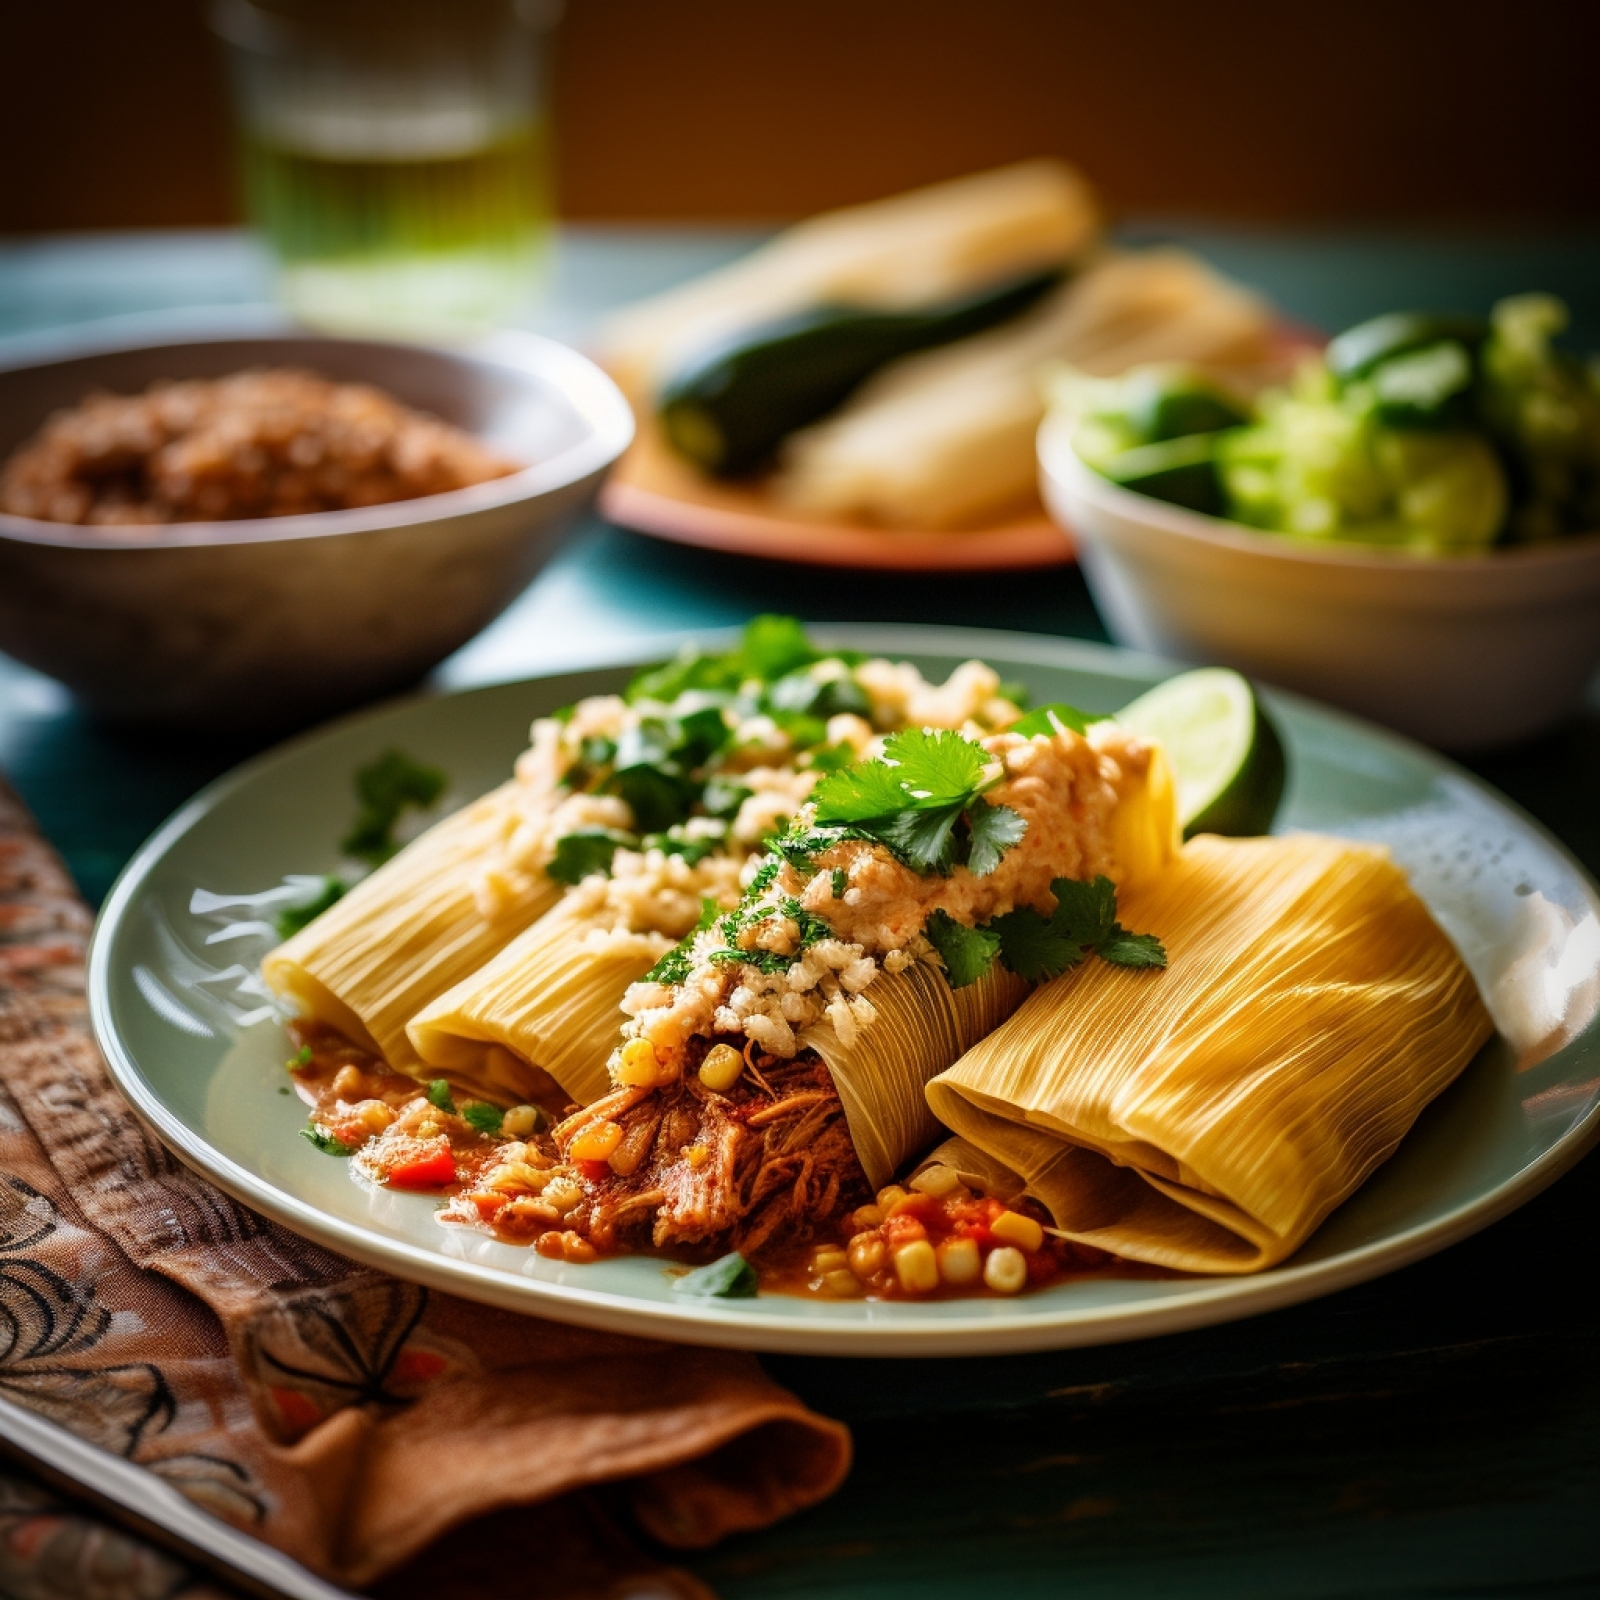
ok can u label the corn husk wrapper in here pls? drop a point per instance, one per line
(918, 248)
(549, 1003)
(407, 933)
(922, 1026)
(1207, 1118)
(945, 438)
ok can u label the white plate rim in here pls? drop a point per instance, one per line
(723, 1324)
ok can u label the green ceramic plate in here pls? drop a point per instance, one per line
(200, 1055)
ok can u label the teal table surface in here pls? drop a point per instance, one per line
(1433, 1434)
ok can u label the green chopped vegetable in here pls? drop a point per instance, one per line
(967, 953)
(577, 855)
(301, 1058)
(729, 1278)
(293, 918)
(1084, 920)
(841, 882)
(676, 964)
(438, 1093)
(922, 801)
(1018, 693)
(385, 789)
(325, 1142)
(722, 797)
(484, 1117)
(1542, 406)
(1437, 434)
(1054, 718)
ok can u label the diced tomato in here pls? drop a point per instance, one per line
(594, 1171)
(435, 1170)
(488, 1204)
(903, 1228)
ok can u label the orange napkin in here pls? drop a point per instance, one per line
(346, 1417)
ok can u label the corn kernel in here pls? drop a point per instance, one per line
(866, 1217)
(1006, 1270)
(841, 1285)
(595, 1142)
(520, 1121)
(376, 1115)
(722, 1068)
(828, 1258)
(563, 1193)
(549, 1245)
(427, 1129)
(937, 1180)
(866, 1255)
(696, 1155)
(959, 1262)
(1011, 1227)
(636, 1064)
(917, 1268)
(888, 1198)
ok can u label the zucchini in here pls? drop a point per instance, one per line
(1166, 404)
(1180, 471)
(731, 406)
(1426, 388)
(1356, 351)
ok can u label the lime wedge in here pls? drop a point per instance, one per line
(1226, 756)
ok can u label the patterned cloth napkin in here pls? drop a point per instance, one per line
(355, 1421)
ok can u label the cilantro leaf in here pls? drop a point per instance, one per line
(923, 839)
(1032, 948)
(936, 766)
(325, 1141)
(675, 842)
(580, 854)
(1084, 911)
(967, 953)
(293, 918)
(992, 830)
(862, 793)
(841, 882)
(385, 788)
(729, 1278)
(1124, 949)
(484, 1117)
(1084, 919)
(1055, 718)
(656, 797)
(438, 1093)
(775, 645)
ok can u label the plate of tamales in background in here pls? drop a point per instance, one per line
(864, 389)
(1460, 1012)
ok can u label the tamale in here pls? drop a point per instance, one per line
(407, 933)
(1209, 1117)
(946, 437)
(918, 248)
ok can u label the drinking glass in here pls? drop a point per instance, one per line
(396, 155)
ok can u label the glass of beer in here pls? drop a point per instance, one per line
(396, 155)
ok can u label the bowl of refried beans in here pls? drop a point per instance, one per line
(226, 521)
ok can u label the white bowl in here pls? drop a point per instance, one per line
(1463, 651)
(279, 621)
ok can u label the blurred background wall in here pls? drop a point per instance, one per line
(113, 113)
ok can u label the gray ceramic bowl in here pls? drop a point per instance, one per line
(277, 621)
